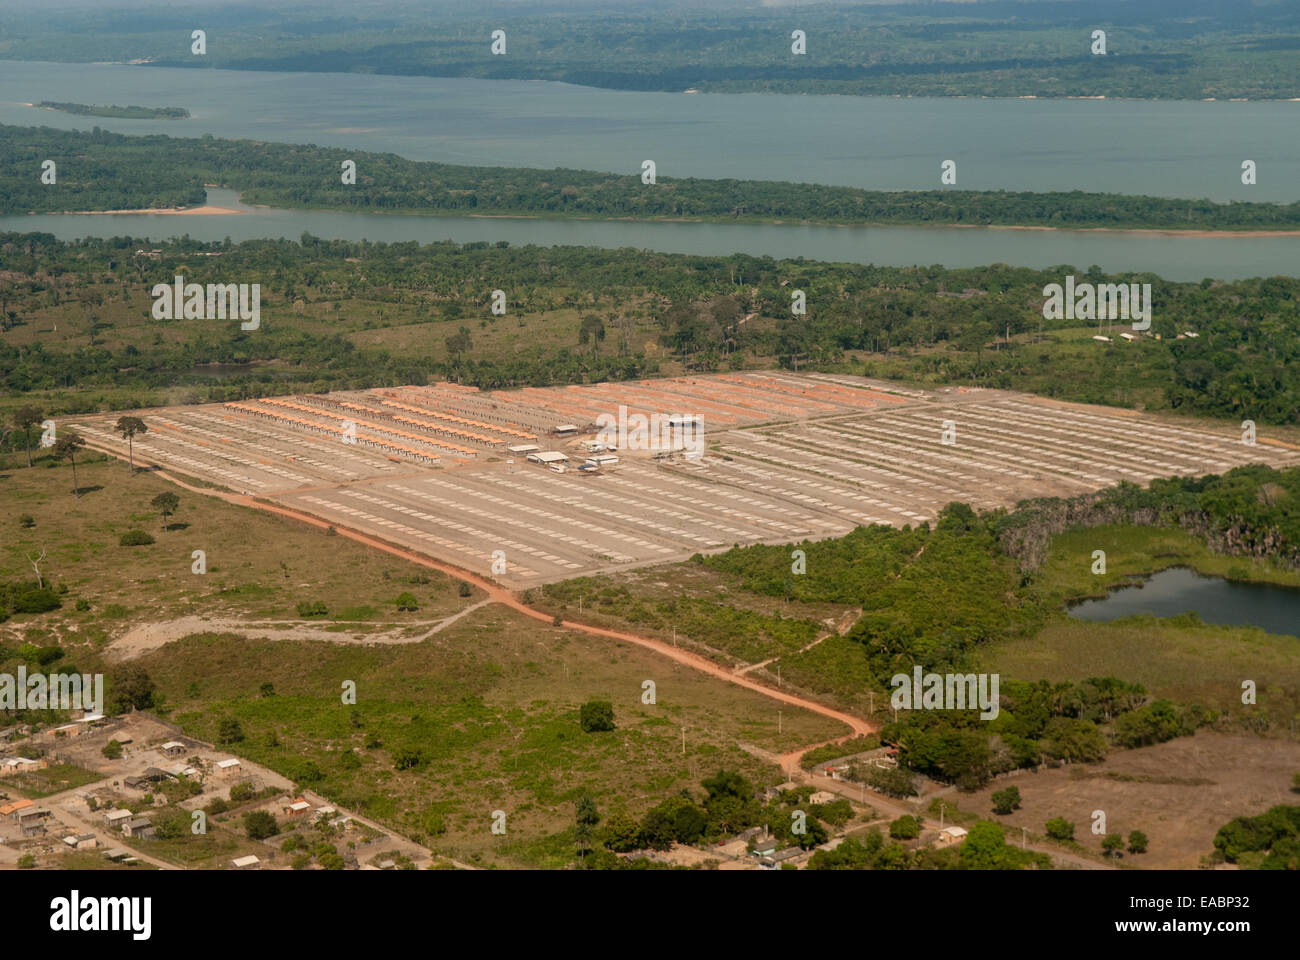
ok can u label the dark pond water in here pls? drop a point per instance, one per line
(1180, 590)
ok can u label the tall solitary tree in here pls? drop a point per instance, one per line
(166, 504)
(129, 427)
(24, 418)
(65, 448)
(584, 827)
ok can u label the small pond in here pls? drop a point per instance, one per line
(1216, 600)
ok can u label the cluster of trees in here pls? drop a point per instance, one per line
(1188, 49)
(985, 848)
(109, 171)
(1276, 831)
(729, 806)
(1252, 511)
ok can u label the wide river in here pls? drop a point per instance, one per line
(1168, 148)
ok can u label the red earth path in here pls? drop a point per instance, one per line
(500, 594)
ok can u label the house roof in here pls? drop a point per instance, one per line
(9, 808)
(115, 815)
(247, 861)
(785, 854)
(227, 764)
(171, 744)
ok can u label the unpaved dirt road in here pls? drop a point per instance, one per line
(148, 637)
(499, 594)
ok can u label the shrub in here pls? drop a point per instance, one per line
(112, 750)
(893, 782)
(597, 716)
(241, 792)
(406, 601)
(1137, 842)
(229, 730)
(465, 589)
(1004, 801)
(27, 521)
(406, 758)
(317, 609)
(83, 604)
(1112, 844)
(34, 600)
(135, 538)
(1058, 828)
(905, 828)
(259, 824)
(433, 823)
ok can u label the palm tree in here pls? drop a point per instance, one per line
(65, 448)
(128, 427)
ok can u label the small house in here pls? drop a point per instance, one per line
(227, 768)
(765, 848)
(296, 807)
(115, 818)
(139, 827)
(173, 748)
(12, 810)
(249, 862)
(82, 841)
(951, 835)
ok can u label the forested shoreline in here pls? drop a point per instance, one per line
(99, 170)
(77, 325)
(1166, 49)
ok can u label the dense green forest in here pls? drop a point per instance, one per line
(122, 113)
(1189, 49)
(75, 324)
(107, 171)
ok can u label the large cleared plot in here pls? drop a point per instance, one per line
(790, 457)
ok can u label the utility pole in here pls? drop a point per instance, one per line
(778, 722)
(942, 808)
(683, 741)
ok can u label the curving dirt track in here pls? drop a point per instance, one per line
(499, 594)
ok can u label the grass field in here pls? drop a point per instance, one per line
(489, 709)
(258, 566)
(485, 712)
